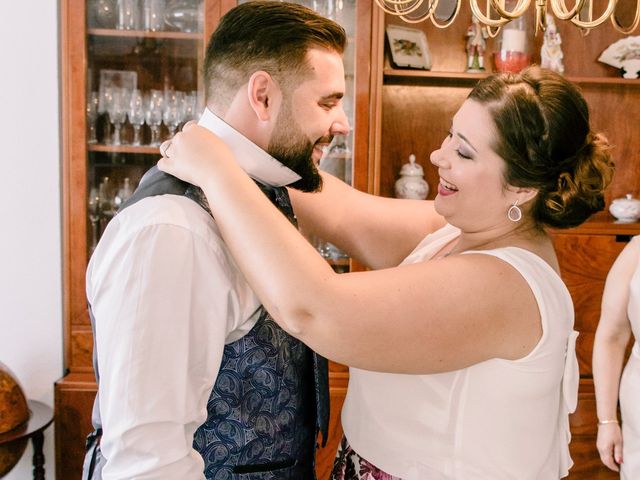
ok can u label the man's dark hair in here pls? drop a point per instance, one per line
(265, 35)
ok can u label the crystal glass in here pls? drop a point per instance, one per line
(182, 15)
(93, 209)
(153, 14)
(128, 15)
(154, 106)
(105, 98)
(174, 109)
(93, 101)
(104, 13)
(117, 109)
(106, 207)
(136, 115)
(190, 106)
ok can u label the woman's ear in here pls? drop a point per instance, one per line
(523, 195)
(264, 95)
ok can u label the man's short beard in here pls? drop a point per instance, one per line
(298, 159)
(294, 150)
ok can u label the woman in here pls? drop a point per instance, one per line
(459, 353)
(619, 448)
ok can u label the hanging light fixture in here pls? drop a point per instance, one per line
(496, 13)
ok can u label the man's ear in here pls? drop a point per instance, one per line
(264, 95)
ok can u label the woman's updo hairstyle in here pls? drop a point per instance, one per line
(542, 123)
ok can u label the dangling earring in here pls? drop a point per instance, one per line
(514, 213)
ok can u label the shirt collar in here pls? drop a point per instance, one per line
(258, 164)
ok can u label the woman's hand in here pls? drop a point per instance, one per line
(193, 154)
(610, 445)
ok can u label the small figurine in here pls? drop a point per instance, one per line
(551, 52)
(476, 46)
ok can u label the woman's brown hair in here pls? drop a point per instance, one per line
(545, 138)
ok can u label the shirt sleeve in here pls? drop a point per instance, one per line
(163, 304)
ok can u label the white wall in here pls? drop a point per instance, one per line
(30, 231)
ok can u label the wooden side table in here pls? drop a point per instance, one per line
(41, 417)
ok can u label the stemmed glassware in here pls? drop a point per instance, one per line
(94, 216)
(117, 109)
(104, 100)
(154, 107)
(136, 115)
(174, 109)
(190, 106)
(92, 115)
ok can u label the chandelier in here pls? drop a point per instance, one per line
(497, 13)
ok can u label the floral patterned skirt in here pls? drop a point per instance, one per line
(351, 466)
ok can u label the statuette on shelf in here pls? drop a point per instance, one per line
(626, 210)
(476, 46)
(411, 183)
(551, 52)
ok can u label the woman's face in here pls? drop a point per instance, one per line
(471, 192)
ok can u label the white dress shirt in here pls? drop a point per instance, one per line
(167, 296)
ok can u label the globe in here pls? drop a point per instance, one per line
(14, 412)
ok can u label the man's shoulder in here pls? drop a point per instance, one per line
(167, 211)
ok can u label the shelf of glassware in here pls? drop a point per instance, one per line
(425, 77)
(143, 149)
(109, 32)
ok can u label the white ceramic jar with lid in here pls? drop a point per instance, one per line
(411, 183)
(626, 210)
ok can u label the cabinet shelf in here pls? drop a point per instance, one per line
(145, 149)
(110, 32)
(426, 77)
(602, 224)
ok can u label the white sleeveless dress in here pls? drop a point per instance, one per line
(495, 420)
(630, 390)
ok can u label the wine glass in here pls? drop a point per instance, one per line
(105, 99)
(92, 115)
(190, 106)
(117, 109)
(153, 15)
(93, 210)
(154, 106)
(174, 108)
(128, 15)
(136, 115)
(182, 15)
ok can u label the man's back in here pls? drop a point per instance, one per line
(165, 296)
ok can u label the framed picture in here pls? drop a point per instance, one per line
(408, 47)
(126, 79)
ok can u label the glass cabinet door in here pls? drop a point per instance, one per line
(143, 82)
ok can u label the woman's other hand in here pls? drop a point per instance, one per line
(610, 445)
(192, 154)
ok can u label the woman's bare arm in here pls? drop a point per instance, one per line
(379, 232)
(408, 319)
(612, 336)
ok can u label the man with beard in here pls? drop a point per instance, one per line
(195, 379)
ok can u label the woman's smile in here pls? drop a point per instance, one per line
(445, 188)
